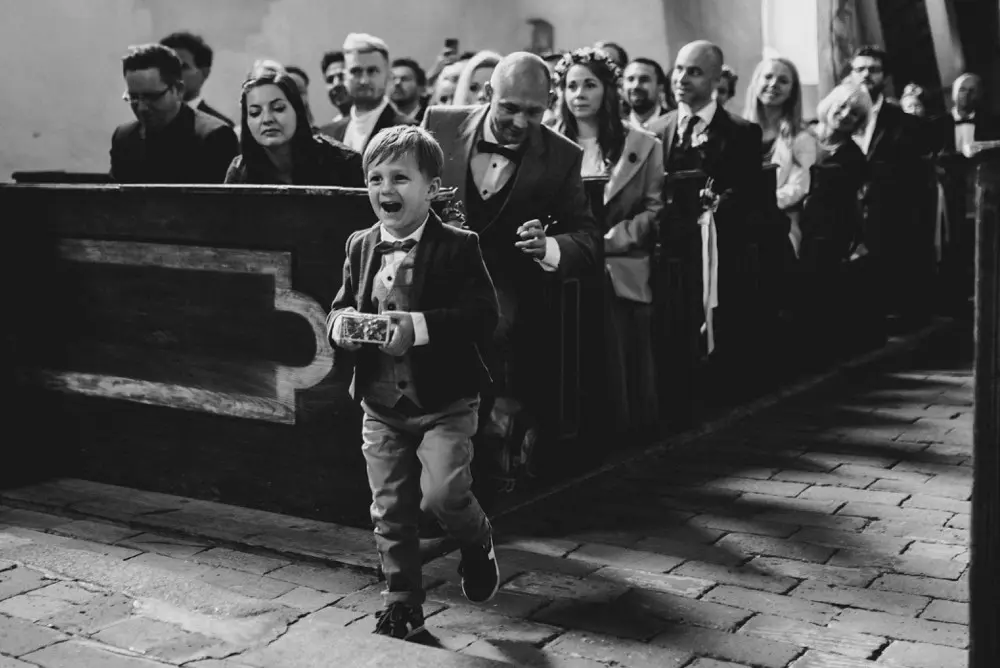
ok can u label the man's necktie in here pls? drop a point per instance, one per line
(484, 146)
(384, 247)
(688, 132)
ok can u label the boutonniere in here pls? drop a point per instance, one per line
(699, 139)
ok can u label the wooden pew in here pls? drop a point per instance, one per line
(899, 232)
(178, 332)
(956, 174)
(187, 345)
(60, 176)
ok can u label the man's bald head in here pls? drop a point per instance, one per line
(521, 68)
(707, 52)
(519, 94)
(966, 92)
(696, 73)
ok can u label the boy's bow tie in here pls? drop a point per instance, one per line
(394, 246)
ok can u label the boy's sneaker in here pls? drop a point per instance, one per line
(480, 572)
(400, 620)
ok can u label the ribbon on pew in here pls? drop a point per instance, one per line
(942, 229)
(709, 273)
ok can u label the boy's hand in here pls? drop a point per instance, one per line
(532, 239)
(401, 333)
(336, 335)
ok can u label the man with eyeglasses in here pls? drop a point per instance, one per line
(897, 276)
(169, 142)
(890, 134)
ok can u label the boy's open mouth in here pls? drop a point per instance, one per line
(391, 207)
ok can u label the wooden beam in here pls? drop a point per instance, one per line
(985, 564)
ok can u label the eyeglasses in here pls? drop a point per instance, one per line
(148, 98)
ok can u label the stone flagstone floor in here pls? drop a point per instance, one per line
(828, 532)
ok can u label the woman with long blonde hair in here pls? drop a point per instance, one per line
(774, 102)
(471, 85)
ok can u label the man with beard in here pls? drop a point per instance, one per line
(701, 135)
(366, 59)
(169, 142)
(408, 85)
(335, 76)
(513, 173)
(891, 134)
(645, 83)
(893, 142)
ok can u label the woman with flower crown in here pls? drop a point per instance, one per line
(632, 161)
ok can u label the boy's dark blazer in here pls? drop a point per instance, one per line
(453, 290)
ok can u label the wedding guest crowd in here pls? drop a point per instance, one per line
(519, 133)
(518, 138)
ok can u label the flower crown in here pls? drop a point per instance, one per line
(586, 56)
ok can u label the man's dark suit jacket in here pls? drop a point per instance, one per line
(388, 118)
(205, 108)
(453, 290)
(731, 156)
(194, 148)
(943, 130)
(547, 186)
(898, 136)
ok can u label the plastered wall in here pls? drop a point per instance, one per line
(62, 58)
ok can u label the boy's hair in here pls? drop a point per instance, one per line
(399, 141)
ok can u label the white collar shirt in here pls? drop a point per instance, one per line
(360, 126)
(490, 171)
(387, 275)
(705, 116)
(864, 138)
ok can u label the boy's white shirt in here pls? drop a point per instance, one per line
(387, 274)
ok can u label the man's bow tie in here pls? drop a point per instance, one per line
(965, 121)
(405, 246)
(484, 146)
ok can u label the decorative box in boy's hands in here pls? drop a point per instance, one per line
(364, 328)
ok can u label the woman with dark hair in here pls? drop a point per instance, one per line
(277, 144)
(632, 161)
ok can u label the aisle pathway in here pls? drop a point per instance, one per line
(828, 532)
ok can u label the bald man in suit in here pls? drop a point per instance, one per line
(521, 185)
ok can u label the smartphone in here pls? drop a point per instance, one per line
(451, 44)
